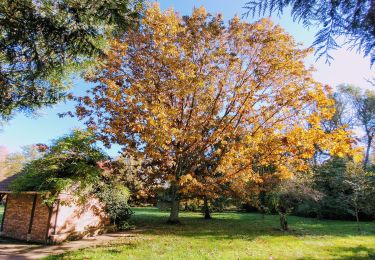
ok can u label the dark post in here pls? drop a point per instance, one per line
(32, 215)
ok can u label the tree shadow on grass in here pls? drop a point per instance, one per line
(246, 226)
(253, 227)
(348, 253)
(113, 249)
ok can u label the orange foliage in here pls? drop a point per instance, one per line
(200, 101)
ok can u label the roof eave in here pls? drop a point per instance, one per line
(22, 192)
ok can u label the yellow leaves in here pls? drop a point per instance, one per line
(199, 13)
(357, 154)
(162, 25)
(137, 128)
(314, 119)
(119, 46)
(284, 172)
(186, 179)
(191, 93)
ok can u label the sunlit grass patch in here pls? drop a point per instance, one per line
(236, 236)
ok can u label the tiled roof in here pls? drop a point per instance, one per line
(5, 181)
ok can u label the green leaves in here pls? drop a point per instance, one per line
(115, 197)
(72, 159)
(42, 42)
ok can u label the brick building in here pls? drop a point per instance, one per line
(26, 217)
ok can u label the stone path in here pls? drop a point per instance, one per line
(10, 250)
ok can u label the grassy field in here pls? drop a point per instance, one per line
(236, 236)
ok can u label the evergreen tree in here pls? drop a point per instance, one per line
(354, 19)
(43, 41)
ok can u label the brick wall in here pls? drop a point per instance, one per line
(69, 218)
(40, 221)
(18, 215)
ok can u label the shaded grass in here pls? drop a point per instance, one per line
(236, 236)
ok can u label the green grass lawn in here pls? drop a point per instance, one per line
(236, 236)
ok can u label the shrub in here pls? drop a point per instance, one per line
(289, 194)
(72, 159)
(115, 197)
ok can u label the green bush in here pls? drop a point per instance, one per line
(342, 189)
(115, 197)
(69, 160)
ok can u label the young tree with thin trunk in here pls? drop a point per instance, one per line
(359, 182)
(289, 194)
(197, 100)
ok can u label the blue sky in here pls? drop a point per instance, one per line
(347, 67)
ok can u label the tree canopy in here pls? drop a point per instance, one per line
(70, 160)
(204, 102)
(43, 41)
(354, 19)
(362, 104)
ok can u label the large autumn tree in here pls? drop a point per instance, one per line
(198, 100)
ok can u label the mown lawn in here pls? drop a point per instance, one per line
(236, 236)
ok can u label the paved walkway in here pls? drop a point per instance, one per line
(10, 250)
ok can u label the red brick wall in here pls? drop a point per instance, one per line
(70, 218)
(18, 214)
(40, 222)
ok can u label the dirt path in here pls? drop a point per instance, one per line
(16, 250)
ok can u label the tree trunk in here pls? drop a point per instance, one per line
(368, 148)
(206, 209)
(357, 219)
(175, 207)
(283, 222)
(357, 216)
